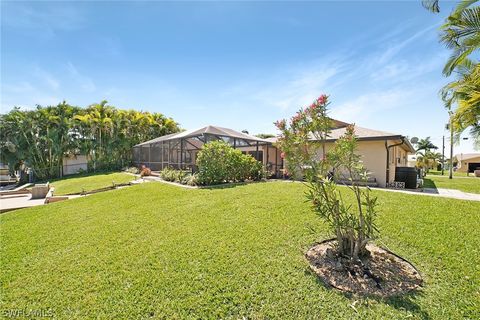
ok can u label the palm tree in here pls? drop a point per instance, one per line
(428, 160)
(461, 33)
(425, 144)
(465, 93)
(425, 157)
(41, 138)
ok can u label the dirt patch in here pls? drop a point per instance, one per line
(382, 274)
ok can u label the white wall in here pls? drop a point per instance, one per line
(73, 164)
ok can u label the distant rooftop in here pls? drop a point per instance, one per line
(466, 156)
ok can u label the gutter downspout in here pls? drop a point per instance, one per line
(387, 147)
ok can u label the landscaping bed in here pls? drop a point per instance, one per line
(382, 274)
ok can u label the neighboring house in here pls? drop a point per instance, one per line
(74, 164)
(381, 151)
(468, 162)
(5, 177)
(412, 160)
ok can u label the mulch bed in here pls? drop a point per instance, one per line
(382, 274)
(112, 187)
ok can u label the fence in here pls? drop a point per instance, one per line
(52, 172)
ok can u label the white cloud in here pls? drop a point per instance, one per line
(85, 83)
(380, 77)
(292, 87)
(25, 95)
(42, 18)
(394, 49)
(297, 91)
(405, 70)
(47, 78)
(362, 107)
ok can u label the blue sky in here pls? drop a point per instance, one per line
(241, 65)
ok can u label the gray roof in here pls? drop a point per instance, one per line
(362, 134)
(213, 130)
(369, 134)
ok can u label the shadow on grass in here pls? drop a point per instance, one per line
(79, 175)
(446, 172)
(229, 185)
(404, 302)
(429, 183)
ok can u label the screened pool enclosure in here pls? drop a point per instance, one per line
(179, 150)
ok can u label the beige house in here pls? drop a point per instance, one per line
(381, 152)
(468, 162)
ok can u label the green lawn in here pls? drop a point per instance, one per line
(160, 251)
(466, 184)
(445, 173)
(75, 184)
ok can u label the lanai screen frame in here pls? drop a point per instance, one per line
(173, 151)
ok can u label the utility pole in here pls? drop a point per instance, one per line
(443, 154)
(450, 174)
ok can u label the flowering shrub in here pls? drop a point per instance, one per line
(218, 163)
(303, 143)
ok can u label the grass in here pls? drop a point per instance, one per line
(445, 173)
(466, 184)
(160, 251)
(75, 184)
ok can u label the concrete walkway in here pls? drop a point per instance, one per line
(8, 203)
(443, 193)
(19, 201)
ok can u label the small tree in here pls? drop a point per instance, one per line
(303, 142)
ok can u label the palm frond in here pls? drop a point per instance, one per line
(457, 58)
(462, 5)
(431, 5)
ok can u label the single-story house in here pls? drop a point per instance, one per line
(381, 151)
(468, 162)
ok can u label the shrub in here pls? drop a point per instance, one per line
(179, 176)
(168, 174)
(190, 180)
(133, 170)
(219, 163)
